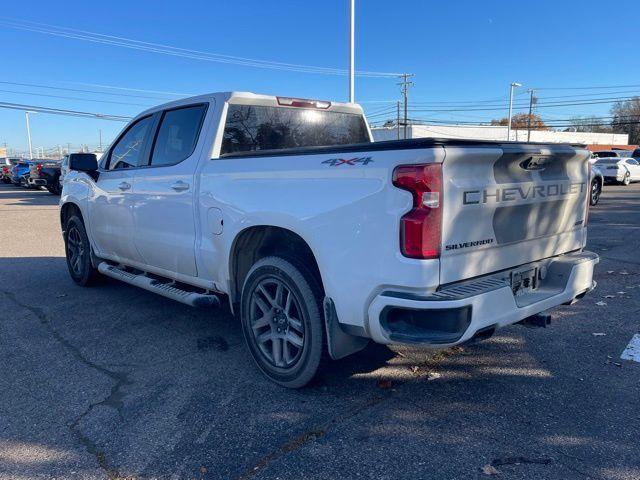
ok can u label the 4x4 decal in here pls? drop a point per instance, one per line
(336, 162)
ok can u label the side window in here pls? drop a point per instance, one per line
(177, 135)
(632, 162)
(130, 148)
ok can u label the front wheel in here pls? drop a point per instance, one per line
(78, 253)
(282, 320)
(596, 190)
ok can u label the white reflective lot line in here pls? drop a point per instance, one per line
(632, 352)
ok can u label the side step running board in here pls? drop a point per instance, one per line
(167, 289)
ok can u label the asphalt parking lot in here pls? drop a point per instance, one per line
(114, 382)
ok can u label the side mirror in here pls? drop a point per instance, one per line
(83, 162)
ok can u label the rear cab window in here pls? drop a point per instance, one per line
(251, 128)
(178, 134)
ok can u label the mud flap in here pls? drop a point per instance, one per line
(339, 342)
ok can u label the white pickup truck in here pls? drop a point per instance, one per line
(322, 240)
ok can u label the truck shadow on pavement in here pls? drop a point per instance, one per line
(19, 196)
(114, 381)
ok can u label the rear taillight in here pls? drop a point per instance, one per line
(421, 228)
(39, 168)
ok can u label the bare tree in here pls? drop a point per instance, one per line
(590, 124)
(626, 118)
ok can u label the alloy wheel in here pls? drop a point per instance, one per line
(75, 248)
(595, 192)
(276, 323)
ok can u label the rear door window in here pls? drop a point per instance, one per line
(177, 135)
(255, 127)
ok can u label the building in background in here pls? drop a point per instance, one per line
(490, 132)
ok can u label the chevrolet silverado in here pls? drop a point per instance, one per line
(321, 240)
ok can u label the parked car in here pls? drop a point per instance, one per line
(45, 174)
(321, 239)
(597, 183)
(613, 153)
(19, 173)
(5, 168)
(619, 170)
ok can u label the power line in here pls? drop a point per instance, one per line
(60, 111)
(112, 40)
(79, 90)
(94, 100)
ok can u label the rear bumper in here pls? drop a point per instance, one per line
(41, 182)
(457, 313)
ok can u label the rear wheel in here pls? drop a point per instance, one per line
(596, 190)
(54, 189)
(626, 180)
(282, 320)
(78, 253)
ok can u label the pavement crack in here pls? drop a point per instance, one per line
(311, 435)
(113, 400)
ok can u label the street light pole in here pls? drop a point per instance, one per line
(29, 136)
(352, 71)
(513, 85)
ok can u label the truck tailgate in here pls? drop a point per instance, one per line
(511, 204)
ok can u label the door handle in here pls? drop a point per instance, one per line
(124, 186)
(180, 186)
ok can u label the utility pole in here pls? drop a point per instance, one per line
(59, 152)
(29, 136)
(68, 148)
(405, 84)
(352, 69)
(531, 100)
(398, 120)
(513, 85)
(100, 136)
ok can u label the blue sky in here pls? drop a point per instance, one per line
(458, 50)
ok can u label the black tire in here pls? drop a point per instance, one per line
(54, 190)
(626, 180)
(78, 252)
(596, 190)
(287, 340)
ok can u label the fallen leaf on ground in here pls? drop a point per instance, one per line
(624, 273)
(601, 304)
(434, 375)
(598, 334)
(489, 470)
(610, 271)
(384, 384)
(415, 369)
(609, 296)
